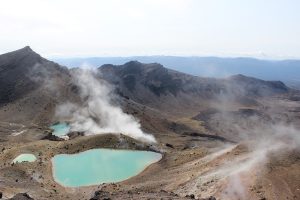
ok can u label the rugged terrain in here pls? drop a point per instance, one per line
(231, 138)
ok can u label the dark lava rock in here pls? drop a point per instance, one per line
(21, 196)
(100, 195)
(52, 137)
(170, 145)
(73, 135)
(192, 196)
(210, 198)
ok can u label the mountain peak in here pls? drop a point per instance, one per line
(133, 62)
(238, 76)
(24, 58)
(26, 49)
(25, 52)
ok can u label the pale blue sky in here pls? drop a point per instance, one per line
(259, 28)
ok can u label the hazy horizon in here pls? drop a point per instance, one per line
(175, 56)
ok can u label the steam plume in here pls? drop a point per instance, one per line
(97, 114)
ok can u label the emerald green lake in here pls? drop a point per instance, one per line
(98, 166)
(26, 157)
(60, 129)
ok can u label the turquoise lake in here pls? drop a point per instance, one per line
(98, 166)
(25, 157)
(60, 129)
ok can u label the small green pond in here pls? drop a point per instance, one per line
(60, 129)
(98, 166)
(26, 157)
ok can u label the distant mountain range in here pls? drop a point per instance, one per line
(287, 71)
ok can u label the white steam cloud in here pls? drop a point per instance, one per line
(97, 114)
